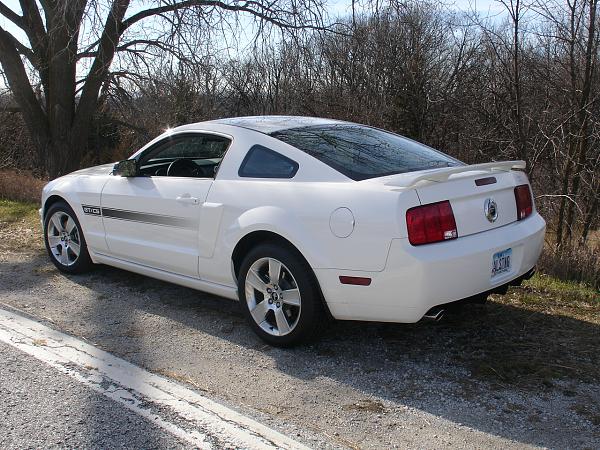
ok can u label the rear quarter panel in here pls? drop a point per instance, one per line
(299, 209)
(300, 212)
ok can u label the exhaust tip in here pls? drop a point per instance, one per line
(435, 314)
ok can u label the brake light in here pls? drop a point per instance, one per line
(524, 202)
(431, 223)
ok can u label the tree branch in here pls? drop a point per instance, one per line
(126, 47)
(12, 16)
(261, 11)
(22, 49)
(38, 38)
(10, 109)
(109, 40)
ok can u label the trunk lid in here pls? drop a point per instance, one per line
(476, 208)
(482, 196)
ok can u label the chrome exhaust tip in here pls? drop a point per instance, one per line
(435, 313)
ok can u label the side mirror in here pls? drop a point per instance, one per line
(126, 168)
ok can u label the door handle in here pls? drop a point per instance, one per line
(187, 199)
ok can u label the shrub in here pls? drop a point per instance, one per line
(22, 186)
(572, 262)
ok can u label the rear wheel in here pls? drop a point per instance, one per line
(279, 295)
(64, 239)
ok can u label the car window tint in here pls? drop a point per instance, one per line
(261, 162)
(362, 152)
(195, 147)
(203, 153)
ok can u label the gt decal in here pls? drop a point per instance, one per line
(136, 216)
(153, 219)
(91, 210)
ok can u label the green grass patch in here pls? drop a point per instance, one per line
(561, 290)
(15, 211)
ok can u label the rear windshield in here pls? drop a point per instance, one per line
(361, 152)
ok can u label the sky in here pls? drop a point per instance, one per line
(335, 7)
(486, 8)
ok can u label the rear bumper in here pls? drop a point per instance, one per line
(416, 279)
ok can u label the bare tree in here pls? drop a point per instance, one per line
(58, 76)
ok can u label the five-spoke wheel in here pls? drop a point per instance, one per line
(64, 239)
(273, 296)
(279, 294)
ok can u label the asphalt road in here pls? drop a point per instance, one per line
(361, 386)
(43, 408)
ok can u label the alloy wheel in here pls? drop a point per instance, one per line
(64, 239)
(273, 296)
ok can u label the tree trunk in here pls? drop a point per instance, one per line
(591, 215)
(64, 156)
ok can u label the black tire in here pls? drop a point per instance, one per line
(82, 262)
(311, 311)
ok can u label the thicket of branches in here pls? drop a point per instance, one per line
(521, 85)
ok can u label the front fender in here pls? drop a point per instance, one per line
(77, 190)
(60, 187)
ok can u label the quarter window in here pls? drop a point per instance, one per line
(261, 162)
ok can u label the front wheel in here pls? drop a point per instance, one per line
(64, 239)
(279, 295)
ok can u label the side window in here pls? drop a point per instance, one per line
(260, 162)
(190, 155)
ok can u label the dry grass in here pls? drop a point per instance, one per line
(20, 227)
(580, 263)
(21, 186)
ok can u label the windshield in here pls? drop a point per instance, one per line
(362, 152)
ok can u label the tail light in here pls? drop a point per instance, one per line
(524, 202)
(431, 223)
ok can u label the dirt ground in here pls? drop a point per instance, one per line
(522, 370)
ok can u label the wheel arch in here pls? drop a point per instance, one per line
(51, 200)
(254, 238)
(257, 237)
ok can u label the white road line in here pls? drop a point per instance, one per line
(207, 423)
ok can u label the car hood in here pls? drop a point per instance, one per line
(103, 169)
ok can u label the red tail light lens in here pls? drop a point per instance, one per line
(524, 202)
(431, 223)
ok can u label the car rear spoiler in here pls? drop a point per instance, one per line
(442, 174)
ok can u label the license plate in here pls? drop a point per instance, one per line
(501, 262)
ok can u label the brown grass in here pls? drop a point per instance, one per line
(21, 186)
(572, 262)
(20, 227)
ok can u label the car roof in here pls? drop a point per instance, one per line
(271, 124)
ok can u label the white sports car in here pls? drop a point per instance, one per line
(301, 218)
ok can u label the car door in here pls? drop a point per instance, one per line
(154, 218)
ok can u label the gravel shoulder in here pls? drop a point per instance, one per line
(362, 386)
(472, 380)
